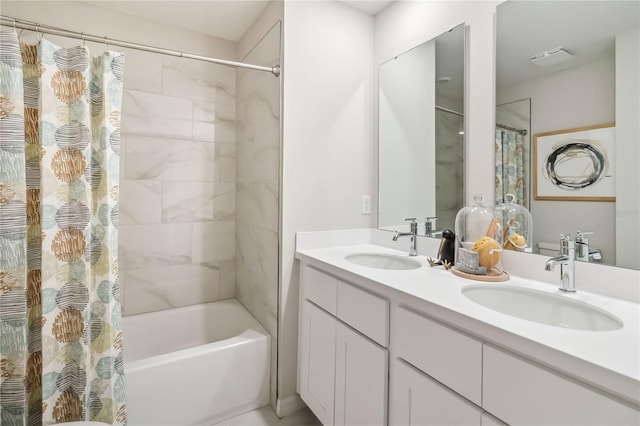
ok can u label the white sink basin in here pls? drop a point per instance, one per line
(541, 307)
(383, 261)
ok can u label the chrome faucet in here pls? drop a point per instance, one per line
(567, 263)
(583, 251)
(413, 234)
(582, 246)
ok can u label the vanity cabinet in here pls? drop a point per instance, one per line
(521, 392)
(368, 356)
(343, 361)
(440, 375)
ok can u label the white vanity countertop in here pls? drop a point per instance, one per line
(609, 360)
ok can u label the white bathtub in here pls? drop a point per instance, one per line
(196, 365)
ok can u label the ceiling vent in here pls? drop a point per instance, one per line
(551, 57)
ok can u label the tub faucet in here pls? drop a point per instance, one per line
(413, 234)
(566, 260)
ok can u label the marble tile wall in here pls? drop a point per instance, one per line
(258, 188)
(178, 183)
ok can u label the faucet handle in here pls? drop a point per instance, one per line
(582, 237)
(429, 225)
(566, 243)
(414, 225)
(431, 220)
(582, 245)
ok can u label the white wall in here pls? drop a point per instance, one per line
(559, 102)
(627, 212)
(327, 151)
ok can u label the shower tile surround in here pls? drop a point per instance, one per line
(184, 176)
(257, 190)
(199, 214)
(178, 178)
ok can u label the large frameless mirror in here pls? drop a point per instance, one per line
(421, 134)
(567, 89)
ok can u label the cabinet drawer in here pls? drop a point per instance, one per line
(320, 288)
(447, 355)
(366, 312)
(522, 393)
(417, 399)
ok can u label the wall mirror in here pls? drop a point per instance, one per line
(421, 134)
(562, 67)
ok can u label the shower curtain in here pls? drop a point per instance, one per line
(60, 329)
(510, 167)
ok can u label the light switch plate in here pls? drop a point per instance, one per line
(365, 206)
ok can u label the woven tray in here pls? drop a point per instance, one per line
(492, 276)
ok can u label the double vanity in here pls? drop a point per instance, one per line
(386, 339)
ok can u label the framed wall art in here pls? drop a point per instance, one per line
(575, 164)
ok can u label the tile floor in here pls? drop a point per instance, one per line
(265, 416)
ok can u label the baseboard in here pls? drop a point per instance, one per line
(289, 405)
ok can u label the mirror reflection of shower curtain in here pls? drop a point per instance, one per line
(510, 166)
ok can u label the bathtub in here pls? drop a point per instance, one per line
(196, 365)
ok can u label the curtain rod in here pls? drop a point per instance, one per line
(449, 110)
(46, 29)
(523, 132)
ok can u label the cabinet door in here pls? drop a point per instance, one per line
(417, 399)
(317, 361)
(361, 380)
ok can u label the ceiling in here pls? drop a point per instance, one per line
(226, 19)
(372, 7)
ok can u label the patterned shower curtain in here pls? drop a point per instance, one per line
(510, 167)
(60, 313)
